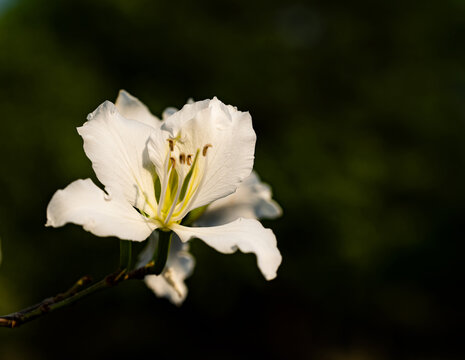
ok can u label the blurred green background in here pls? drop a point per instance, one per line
(360, 116)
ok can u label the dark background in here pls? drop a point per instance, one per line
(359, 111)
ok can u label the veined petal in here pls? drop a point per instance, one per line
(83, 203)
(210, 144)
(132, 108)
(231, 136)
(117, 148)
(179, 266)
(247, 235)
(161, 142)
(252, 200)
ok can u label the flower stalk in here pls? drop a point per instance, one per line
(161, 252)
(74, 294)
(125, 254)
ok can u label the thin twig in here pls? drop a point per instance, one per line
(75, 293)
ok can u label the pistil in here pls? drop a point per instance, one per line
(178, 191)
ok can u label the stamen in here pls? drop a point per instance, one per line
(174, 201)
(171, 142)
(205, 148)
(164, 185)
(189, 159)
(182, 158)
(191, 184)
(173, 161)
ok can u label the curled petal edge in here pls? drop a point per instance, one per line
(247, 235)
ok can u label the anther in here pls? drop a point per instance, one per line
(205, 148)
(189, 159)
(173, 161)
(171, 142)
(182, 158)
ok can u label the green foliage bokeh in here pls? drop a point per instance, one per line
(360, 117)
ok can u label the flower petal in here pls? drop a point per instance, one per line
(83, 203)
(132, 108)
(252, 200)
(117, 148)
(222, 137)
(179, 266)
(146, 255)
(247, 235)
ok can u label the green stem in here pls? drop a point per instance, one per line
(161, 253)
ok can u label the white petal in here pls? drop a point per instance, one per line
(83, 203)
(132, 108)
(146, 255)
(230, 141)
(252, 200)
(179, 266)
(117, 148)
(158, 143)
(247, 235)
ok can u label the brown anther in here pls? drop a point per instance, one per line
(205, 148)
(189, 159)
(173, 161)
(182, 158)
(171, 142)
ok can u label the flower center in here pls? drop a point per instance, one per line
(183, 173)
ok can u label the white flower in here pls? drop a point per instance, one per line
(155, 173)
(251, 200)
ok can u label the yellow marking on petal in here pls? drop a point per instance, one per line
(178, 190)
(170, 192)
(190, 186)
